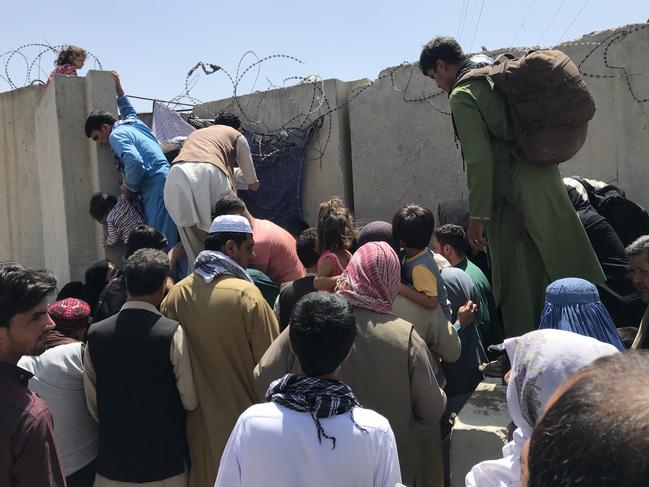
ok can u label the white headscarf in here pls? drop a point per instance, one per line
(541, 361)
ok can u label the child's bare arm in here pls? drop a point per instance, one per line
(322, 281)
(421, 299)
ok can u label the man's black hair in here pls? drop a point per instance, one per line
(100, 206)
(596, 433)
(452, 235)
(22, 289)
(227, 118)
(446, 49)
(305, 247)
(145, 237)
(98, 118)
(216, 241)
(413, 224)
(228, 205)
(322, 331)
(146, 271)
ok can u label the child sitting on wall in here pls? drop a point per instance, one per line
(119, 214)
(68, 61)
(412, 229)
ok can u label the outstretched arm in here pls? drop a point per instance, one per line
(126, 110)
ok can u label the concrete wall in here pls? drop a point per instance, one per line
(617, 148)
(480, 429)
(327, 170)
(49, 172)
(404, 150)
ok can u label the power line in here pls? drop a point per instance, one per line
(459, 24)
(476, 25)
(529, 10)
(552, 21)
(573, 20)
(463, 18)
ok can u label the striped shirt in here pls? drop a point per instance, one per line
(124, 216)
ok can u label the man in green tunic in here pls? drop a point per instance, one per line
(535, 237)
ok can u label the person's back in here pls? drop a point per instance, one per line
(58, 379)
(275, 252)
(312, 431)
(278, 446)
(215, 144)
(228, 327)
(141, 422)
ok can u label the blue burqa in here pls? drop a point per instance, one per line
(573, 304)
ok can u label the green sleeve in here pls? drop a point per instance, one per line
(477, 150)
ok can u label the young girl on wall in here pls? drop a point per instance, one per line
(68, 61)
(335, 234)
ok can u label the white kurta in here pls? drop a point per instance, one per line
(191, 191)
(274, 445)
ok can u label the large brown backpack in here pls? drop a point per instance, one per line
(548, 103)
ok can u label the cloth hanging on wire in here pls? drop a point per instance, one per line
(168, 124)
(279, 163)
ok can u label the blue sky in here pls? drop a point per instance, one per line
(154, 44)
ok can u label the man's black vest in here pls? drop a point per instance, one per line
(291, 294)
(141, 417)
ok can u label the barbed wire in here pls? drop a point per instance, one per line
(26, 63)
(32, 58)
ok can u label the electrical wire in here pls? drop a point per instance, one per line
(573, 20)
(551, 21)
(529, 10)
(476, 25)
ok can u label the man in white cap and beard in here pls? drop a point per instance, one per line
(228, 326)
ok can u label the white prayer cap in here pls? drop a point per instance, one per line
(231, 224)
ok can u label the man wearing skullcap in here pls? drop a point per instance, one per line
(228, 326)
(58, 380)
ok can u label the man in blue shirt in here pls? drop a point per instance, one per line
(142, 165)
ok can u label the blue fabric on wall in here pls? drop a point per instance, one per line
(279, 162)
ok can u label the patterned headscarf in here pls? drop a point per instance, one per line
(541, 361)
(321, 398)
(211, 264)
(573, 304)
(372, 278)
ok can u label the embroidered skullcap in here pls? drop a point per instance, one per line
(70, 314)
(231, 224)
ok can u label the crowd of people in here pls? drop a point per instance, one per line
(225, 351)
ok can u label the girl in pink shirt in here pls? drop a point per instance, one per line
(335, 234)
(68, 61)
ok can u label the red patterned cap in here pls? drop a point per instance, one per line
(70, 314)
